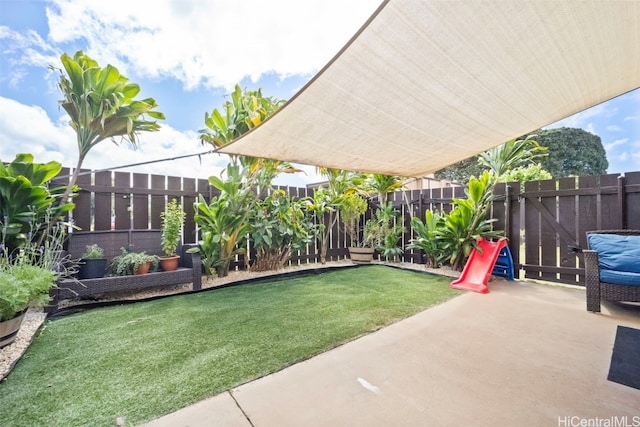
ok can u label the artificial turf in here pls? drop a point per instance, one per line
(144, 360)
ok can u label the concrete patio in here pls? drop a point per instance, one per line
(522, 355)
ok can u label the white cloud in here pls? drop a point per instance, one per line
(50, 140)
(614, 128)
(215, 43)
(617, 142)
(582, 119)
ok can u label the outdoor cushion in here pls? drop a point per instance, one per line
(620, 277)
(616, 252)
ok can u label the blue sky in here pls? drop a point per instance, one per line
(187, 54)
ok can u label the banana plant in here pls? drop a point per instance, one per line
(224, 221)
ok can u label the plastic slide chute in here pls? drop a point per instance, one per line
(476, 272)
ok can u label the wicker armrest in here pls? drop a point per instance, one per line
(592, 279)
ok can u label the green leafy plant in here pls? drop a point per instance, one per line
(351, 209)
(280, 225)
(101, 105)
(93, 252)
(223, 222)
(28, 206)
(383, 232)
(172, 221)
(29, 271)
(467, 222)
(128, 262)
(427, 238)
(21, 284)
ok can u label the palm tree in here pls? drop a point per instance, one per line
(383, 185)
(101, 105)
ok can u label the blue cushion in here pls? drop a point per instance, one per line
(620, 277)
(615, 252)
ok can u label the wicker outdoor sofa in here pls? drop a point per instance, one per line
(612, 267)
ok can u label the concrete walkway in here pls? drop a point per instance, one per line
(522, 355)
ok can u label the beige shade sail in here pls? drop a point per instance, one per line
(425, 84)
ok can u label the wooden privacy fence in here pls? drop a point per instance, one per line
(541, 220)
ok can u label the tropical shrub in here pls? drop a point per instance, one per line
(427, 238)
(279, 225)
(29, 208)
(467, 222)
(351, 209)
(101, 105)
(383, 232)
(223, 222)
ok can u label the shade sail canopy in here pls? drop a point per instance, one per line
(425, 84)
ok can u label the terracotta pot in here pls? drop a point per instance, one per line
(169, 263)
(144, 268)
(361, 255)
(9, 329)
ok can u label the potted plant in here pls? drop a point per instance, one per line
(351, 210)
(129, 262)
(172, 220)
(383, 233)
(21, 284)
(93, 264)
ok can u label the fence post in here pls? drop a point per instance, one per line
(622, 208)
(507, 212)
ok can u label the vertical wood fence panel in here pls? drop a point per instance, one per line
(122, 201)
(82, 213)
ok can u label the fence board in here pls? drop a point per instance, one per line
(189, 229)
(122, 202)
(632, 200)
(157, 202)
(82, 213)
(567, 216)
(531, 233)
(140, 203)
(611, 216)
(102, 203)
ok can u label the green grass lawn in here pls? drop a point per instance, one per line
(148, 359)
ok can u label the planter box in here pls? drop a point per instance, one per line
(67, 289)
(361, 255)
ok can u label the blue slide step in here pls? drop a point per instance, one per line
(504, 264)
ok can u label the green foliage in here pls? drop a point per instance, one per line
(245, 110)
(382, 185)
(172, 220)
(427, 238)
(22, 283)
(468, 222)
(224, 221)
(27, 204)
(352, 207)
(510, 155)
(327, 201)
(383, 232)
(572, 152)
(29, 271)
(462, 171)
(279, 226)
(522, 174)
(101, 105)
(93, 252)
(129, 261)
